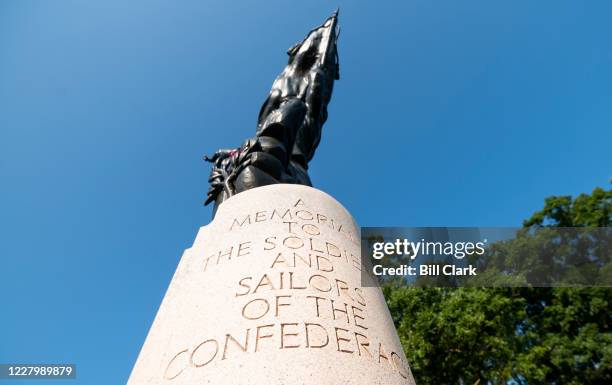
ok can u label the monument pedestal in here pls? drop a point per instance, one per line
(270, 294)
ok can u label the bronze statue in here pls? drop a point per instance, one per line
(289, 123)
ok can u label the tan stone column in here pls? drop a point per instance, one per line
(270, 294)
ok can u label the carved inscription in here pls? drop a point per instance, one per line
(298, 212)
(300, 301)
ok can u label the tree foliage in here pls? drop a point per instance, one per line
(520, 335)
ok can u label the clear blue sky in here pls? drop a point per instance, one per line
(447, 113)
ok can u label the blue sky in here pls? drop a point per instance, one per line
(447, 114)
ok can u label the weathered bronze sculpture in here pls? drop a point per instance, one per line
(289, 124)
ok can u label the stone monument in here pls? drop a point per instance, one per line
(270, 292)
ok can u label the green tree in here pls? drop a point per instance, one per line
(519, 335)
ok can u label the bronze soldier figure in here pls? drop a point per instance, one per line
(289, 124)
